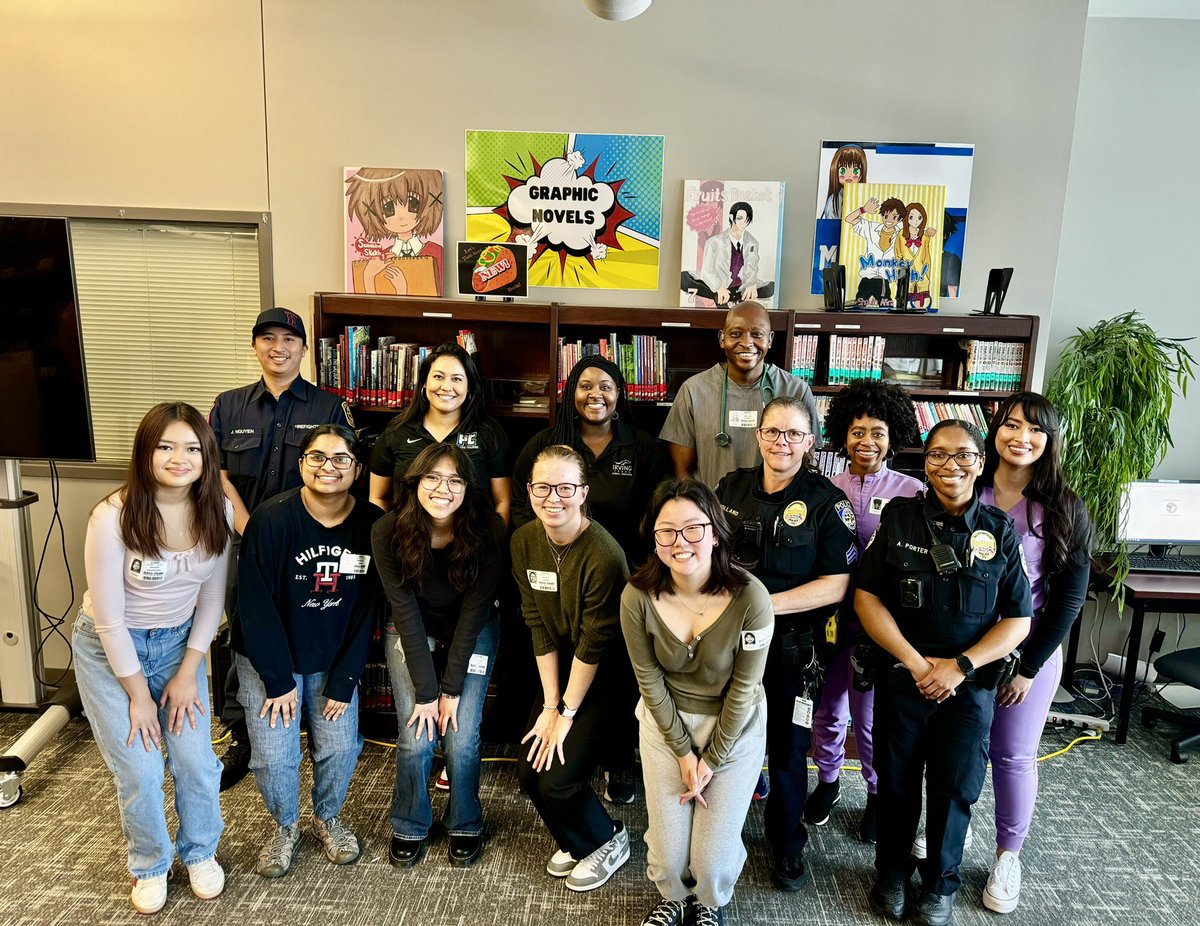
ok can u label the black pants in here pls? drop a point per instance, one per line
(232, 712)
(688, 283)
(948, 742)
(563, 795)
(788, 666)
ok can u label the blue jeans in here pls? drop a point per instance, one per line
(138, 774)
(275, 753)
(412, 812)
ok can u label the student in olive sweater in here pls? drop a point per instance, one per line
(570, 573)
(698, 628)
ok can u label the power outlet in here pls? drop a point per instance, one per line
(1078, 721)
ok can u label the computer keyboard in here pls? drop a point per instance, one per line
(1148, 562)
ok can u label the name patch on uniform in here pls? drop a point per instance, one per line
(622, 467)
(913, 547)
(149, 570)
(877, 504)
(755, 639)
(477, 665)
(732, 512)
(542, 581)
(983, 545)
(353, 564)
(845, 511)
(795, 514)
(743, 419)
(468, 441)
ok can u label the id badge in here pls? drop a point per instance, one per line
(353, 564)
(541, 581)
(477, 665)
(802, 713)
(743, 419)
(149, 570)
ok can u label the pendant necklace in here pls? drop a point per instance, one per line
(699, 613)
(555, 554)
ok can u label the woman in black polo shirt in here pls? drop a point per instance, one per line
(448, 408)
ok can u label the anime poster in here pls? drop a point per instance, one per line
(393, 230)
(845, 163)
(588, 206)
(886, 233)
(732, 242)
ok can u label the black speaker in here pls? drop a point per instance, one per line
(833, 286)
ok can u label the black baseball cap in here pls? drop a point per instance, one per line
(280, 318)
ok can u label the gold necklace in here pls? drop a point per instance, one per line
(700, 613)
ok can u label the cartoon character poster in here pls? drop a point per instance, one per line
(588, 206)
(393, 230)
(886, 233)
(845, 163)
(732, 242)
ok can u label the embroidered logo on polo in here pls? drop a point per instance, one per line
(468, 441)
(622, 467)
(845, 511)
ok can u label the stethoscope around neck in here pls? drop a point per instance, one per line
(723, 439)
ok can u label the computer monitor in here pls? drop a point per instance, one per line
(1160, 512)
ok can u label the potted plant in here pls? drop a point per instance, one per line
(1113, 388)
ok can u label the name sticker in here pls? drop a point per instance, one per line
(802, 713)
(877, 504)
(477, 665)
(755, 639)
(353, 564)
(743, 419)
(542, 581)
(149, 570)
(983, 545)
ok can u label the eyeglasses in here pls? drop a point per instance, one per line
(693, 533)
(562, 489)
(790, 436)
(963, 458)
(432, 481)
(316, 460)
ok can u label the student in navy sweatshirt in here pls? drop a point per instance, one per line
(307, 597)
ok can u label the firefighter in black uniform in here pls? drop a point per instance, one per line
(795, 530)
(943, 591)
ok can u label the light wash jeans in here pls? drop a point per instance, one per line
(412, 812)
(138, 774)
(275, 753)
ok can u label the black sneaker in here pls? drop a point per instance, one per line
(866, 827)
(620, 785)
(405, 853)
(820, 803)
(891, 899)
(934, 910)
(668, 913)
(236, 761)
(706, 916)
(788, 872)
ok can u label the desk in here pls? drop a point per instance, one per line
(1170, 593)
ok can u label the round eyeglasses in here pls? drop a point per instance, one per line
(432, 481)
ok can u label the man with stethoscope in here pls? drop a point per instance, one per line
(710, 428)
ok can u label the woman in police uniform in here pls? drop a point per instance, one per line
(795, 531)
(943, 590)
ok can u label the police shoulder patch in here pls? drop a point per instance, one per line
(845, 511)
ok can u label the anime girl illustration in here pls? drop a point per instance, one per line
(849, 165)
(913, 249)
(399, 248)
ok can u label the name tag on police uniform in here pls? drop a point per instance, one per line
(542, 581)
(743, 419)
(353, 564)
(149, 570)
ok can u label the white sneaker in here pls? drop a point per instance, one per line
(595, 870)
(149, 894)
(561, 864)
(1003, 891)
(919, 844)
(207, 878)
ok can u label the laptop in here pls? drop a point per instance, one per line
(1162, 513)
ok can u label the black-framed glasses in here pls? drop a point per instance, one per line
(432, 481)
(316, 460)
(790, 436)
(693, 533)
(963, 458)
(561, 489)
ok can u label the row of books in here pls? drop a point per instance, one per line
(930, 413)
(375, 688)
(642, 361)
(991, 365)
(804, 357)
(384, 375)
(829, 463)
(855, 358)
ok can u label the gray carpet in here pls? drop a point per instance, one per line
(1114, 842)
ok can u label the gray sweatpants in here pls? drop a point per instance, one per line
(691, 849)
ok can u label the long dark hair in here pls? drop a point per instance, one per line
(566, 425)
(1068, 531)
(654, 576)
(474, 528)
(141, 523)
(473, 414)
(887, 402)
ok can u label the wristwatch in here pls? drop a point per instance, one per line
(566, 711)
(965, 665)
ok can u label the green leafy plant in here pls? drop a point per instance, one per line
(1114, 387)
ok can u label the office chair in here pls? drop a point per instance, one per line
(1181, 666)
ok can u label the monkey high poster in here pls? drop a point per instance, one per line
(588, 206)
(393, 230)
(732, 242)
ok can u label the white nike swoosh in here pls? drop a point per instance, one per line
(413, 440)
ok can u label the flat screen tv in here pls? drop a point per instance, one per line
(44, 413)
